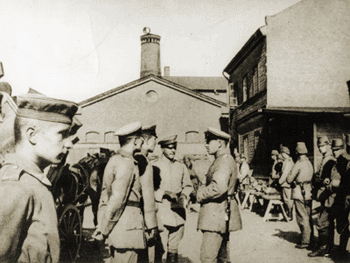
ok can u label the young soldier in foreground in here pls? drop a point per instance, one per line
(28, 219)
(120, 217)
(216, 199)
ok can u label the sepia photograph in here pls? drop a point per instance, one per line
(172, 131)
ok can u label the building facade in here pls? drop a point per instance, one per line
(289, 82)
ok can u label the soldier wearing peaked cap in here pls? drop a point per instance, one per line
(342, 200)
(172, 197)
(147, 186)
(323, 192)
(219, 213)
(42, 129)
(120, 218)
(274, 155)
(301, 176)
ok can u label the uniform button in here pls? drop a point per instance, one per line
(15, 166)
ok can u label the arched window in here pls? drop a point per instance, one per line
(110, 137)
(92, 137)
(192, 136)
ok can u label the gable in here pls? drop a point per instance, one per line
(175, 110)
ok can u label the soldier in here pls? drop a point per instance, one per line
(341, 204)
(286, 190)
(243, 176)
(301, 176)
(172, 196)
(219, 213)
(28, 219)
(146, 178)
(323, 184)
(119, 216)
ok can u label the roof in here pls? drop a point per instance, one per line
(245, 50)
(155, 78)
(200, 83)
(306, 110)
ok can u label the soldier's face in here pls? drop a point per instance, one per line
(52, 142)
(273, 157)
(169, 151)
(151, 142)
(323, 149)
(337, 153)
(212, 146)
(138, 143)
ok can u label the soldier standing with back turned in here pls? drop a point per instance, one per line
(120, 218)
(301, 176)
(219, 213)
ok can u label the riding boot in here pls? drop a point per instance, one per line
(172, 258)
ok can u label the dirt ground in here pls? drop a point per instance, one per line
(264, 242)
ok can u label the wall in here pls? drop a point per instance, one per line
(173, 111)
(308, 55)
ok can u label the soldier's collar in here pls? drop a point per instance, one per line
(126, 154)
(167, 159)
(222, 152)
(29, 167)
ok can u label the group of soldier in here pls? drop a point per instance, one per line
(329, 187)
(140, 219)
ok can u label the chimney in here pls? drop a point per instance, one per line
(150, 54)
(167, 71)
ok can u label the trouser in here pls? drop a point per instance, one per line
(214, 248)
(124, 255)
(156, 251)
(287, 200)
(304, 220)
(171, 237)
(325, 227)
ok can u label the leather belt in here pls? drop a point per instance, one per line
(307, 182)
(133, 203)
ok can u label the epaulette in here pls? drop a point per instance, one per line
(10, 172)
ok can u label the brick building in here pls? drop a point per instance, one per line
(289, 82)
(185, 106)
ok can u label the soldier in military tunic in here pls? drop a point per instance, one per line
(286, 190)
(172, 196)
(28, 219)
(146, 178)
(323, 187)
(219, 213)
(341, 205)
(301, 176)
(120, 216)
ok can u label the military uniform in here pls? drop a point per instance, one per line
(26, 198)
(286, 190)
(28, 218)
(301, 176)
(120, 216)
(341, 205)
(325, 195)
(221, 181)
(175, 178)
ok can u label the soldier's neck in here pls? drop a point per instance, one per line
(221, 151)
(29, 154)
(144, 151)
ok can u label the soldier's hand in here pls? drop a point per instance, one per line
(97, 235)
(152, 236)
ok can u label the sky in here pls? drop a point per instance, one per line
(77, 49)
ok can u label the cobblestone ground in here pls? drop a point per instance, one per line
(270, 242)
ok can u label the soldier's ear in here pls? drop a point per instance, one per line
(32, 134)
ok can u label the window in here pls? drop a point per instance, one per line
(192, 136)
(246, 146)
(256, 138)
(233, 95)
(255, 80)
(110, 137)
(245, 89)
(92, 136)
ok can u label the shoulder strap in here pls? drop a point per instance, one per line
(10, 172)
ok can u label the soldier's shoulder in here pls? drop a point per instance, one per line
(10, 172)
